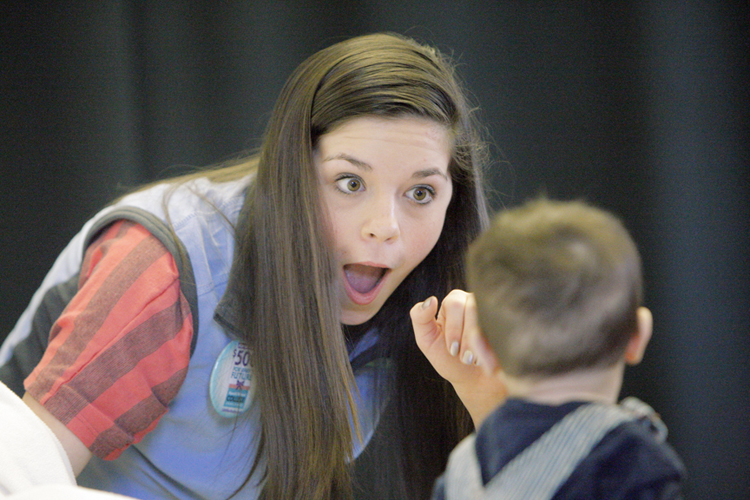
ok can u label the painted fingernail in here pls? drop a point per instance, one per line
(454, 348)
(468, 357)
(427, 303)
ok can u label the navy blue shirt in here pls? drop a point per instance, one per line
(628, 463)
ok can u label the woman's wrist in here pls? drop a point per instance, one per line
(481, 398)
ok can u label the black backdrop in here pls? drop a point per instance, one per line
(640, 107)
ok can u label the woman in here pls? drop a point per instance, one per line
(221, 297)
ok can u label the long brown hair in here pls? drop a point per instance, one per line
(283, 266)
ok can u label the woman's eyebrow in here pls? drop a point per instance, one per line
(419, 174)
(357, 163)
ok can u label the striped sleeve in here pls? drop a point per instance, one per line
(119, 352)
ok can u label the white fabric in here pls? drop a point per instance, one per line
(33, 463)
(63, 492)
(30, 454)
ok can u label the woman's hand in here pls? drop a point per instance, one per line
(452, 342)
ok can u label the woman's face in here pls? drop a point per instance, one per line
(386, 186)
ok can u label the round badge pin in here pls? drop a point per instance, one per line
(230, 386)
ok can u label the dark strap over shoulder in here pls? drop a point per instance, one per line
(29, 351)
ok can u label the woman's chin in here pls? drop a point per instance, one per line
(355, 318)
(353, 314)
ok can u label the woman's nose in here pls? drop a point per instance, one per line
(381, 221)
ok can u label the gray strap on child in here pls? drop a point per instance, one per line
(540, 470)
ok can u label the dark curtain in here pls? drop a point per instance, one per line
(640, 107)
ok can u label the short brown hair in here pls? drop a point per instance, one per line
(557, 286)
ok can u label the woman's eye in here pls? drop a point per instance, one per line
(349, 184)
(421, 194)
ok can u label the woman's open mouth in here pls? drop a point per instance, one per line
(363, 282)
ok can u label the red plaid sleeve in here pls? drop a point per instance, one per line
(119, 352)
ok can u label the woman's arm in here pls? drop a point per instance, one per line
(125, 332)
(77, 452)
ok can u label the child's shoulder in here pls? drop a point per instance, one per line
(627, 461)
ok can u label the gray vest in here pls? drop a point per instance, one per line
(193, 452)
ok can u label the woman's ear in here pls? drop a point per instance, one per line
(637, 345)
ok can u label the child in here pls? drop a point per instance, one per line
(558, 291)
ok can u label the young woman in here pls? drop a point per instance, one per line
(245, 332)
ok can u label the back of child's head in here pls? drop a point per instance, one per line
(557, 286)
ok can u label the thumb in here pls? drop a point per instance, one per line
(426, 331)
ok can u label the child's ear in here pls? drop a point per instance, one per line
(485, 356)
(638, 342)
